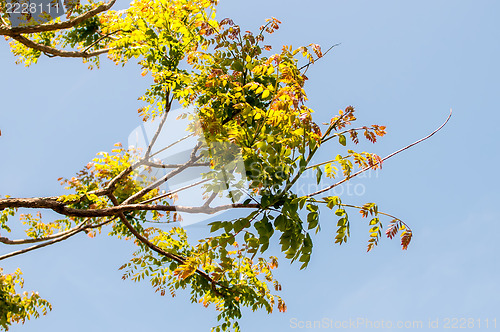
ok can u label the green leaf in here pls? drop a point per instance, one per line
(340, 212)
(215, 226)
(302, 162)
(279, 222)
(332, 201)
(342, 140)
(312, 207)
(312, 219)
(237, 66)
(319, 173)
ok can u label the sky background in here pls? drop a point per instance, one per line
(401, 64)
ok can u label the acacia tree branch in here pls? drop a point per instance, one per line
(56, 52)
(11, 32)
(3, 22)
(326, 162)
(76, 230)
(381, 160)
(382, 213)
(38, 246)
(111, 211)
(168, 105)
(331, 127)
(5, 240)
(53, 201)
(174, 143)
(174, 257)
(156, 184)
(210, 200)
(193, 159)
(34, 203)
(59, 207)
(157, 165)
(110, 187)
(101, 38)
(311, 62)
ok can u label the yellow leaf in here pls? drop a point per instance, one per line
(299, 132)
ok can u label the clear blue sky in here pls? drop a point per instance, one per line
(401, 64)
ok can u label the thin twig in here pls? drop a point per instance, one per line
(112, 211)
(169, 146)
(310, 63)
(382, 160)
(101, 38)
(210, 200)
(59, 239)
(158, 130)
(158, 165)
(5, 240)
(57, 52)
(313, 151)
(345, 132)
(156, 184)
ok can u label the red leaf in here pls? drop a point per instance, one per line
(405, 239)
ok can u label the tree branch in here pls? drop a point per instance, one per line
(58, 239)
(59, 207)
(160, 127)
(54, 51)
(310, 63)
(193, 159)
(115, 210)
(382, 160)
(157, 165)
(174, 143)
(38, 246)
(312, 152)
(210, 200)
(101, 38)
(5, 240)
(326, 139)
(146, 242)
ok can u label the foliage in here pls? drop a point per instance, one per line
(246, 98)
(16, 307)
